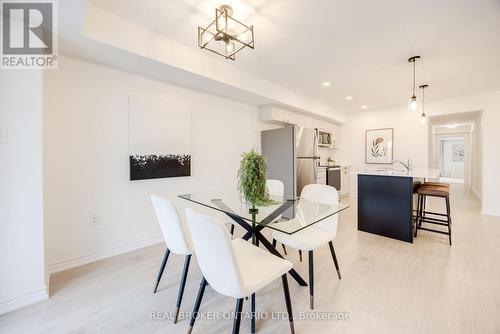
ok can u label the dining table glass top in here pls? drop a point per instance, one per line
(286, 215)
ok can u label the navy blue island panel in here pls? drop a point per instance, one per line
(385, 206)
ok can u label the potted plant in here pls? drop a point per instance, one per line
(252, 177)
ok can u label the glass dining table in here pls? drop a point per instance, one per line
(285, 215)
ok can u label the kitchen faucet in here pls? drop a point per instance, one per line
(407, 165)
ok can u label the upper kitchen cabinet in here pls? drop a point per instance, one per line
(272, 114)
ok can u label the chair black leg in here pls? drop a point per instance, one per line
(162, 267)
(197, 304)
(284, 249)
(288, 302)
(274, 243)
(300, 255)
(237, 313)
(232, 230)
(332, 250)
(181, 286)
(252, 322)
(311, 280)
(449, 217)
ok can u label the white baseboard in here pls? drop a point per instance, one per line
(490, 212)
(102, 254)
(25, 299)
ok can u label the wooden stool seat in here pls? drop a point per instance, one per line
(440, 184)
(438, 191)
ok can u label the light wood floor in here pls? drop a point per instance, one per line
(387, 286)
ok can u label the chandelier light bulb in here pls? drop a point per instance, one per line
(229, 48)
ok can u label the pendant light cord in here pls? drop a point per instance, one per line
(414, 77)
(423, 100)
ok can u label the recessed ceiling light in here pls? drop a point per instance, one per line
(326, 83)
(452, 126)
(348, 97)
(364, 107)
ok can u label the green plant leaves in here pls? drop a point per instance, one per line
(252, 176)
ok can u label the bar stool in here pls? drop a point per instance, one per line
(433, 189)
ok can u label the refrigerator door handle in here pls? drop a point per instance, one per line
(315, 143)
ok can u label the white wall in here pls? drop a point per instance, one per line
(22, 273)
(477, 158)
(86, 159)
(411, 139)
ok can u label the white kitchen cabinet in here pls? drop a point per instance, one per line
(345, 180)
(272, 114)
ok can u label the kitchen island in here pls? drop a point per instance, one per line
(385, 201)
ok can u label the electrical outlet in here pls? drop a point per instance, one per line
(94, 220)
(3, 135)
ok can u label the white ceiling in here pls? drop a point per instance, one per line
(361, 47)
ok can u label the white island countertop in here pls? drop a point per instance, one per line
(427, 173)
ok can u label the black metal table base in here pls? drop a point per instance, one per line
(266, 243)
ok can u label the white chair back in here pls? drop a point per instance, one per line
(275, 188)
(323, 194)
(174, 233)
(214, 251)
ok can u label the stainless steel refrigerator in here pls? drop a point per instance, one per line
(292, 157)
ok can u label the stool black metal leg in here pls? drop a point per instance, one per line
(449, 217)
(300, 255)
(417, 219)
(332, 250)
(417, 212)
(274, 243)
(284, 249)
(311, 280)
(162, 267)
(232, 230)
(288, 303)
(181, 286)
(237, 314)
(197, 304)
(423, 208)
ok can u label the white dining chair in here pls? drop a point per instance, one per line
(176, 237)
(234, 268)
(276, 188)
(317, 235)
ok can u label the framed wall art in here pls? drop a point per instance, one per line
(159, 138)
(379, 146)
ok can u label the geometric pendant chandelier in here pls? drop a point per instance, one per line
(225, 35)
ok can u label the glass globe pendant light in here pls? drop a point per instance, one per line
(413, 99)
